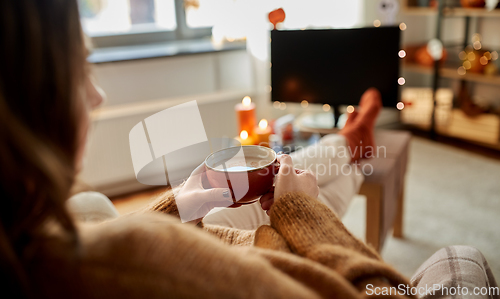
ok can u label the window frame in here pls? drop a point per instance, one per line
(181, 32)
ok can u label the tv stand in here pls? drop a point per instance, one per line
(336, 116)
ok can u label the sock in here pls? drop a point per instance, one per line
(359, 131)
(350, 118)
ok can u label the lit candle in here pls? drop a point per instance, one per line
(244, 139)
(262, 133)
(246, 115)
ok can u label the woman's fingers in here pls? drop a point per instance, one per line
(266, 201)
(195, 180)
(286, 165)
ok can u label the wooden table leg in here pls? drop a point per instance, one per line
(398, 221)
(374, 214)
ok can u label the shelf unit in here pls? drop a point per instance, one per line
(451, 12)
(449, 72)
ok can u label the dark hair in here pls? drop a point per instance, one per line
(42, 68)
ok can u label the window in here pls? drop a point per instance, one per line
(134, 22)
(129, 22)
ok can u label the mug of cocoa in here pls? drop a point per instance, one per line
(248, 171)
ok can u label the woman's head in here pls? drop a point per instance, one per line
(44, 86)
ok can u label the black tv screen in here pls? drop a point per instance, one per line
(335, 66)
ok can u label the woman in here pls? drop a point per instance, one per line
(45, 98)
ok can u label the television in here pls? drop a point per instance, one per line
(335, 66)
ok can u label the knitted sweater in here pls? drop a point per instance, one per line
(306, 252)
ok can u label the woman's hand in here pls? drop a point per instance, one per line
(290, 179)
(196, 197)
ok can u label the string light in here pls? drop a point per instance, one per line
(402, 26)
(350, 109)
(377, 23)
(494, 55)
(401, 81)
(282, 106)
(400, 105)
(326, 107)
(402, 54)
(461, 71)
(304, 104)
(467, 65)
(276, 104)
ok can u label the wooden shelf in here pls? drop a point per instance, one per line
(451, 73)
(471, 12)
(452, 12)
(419, 11)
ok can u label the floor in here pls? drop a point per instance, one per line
(452, 198)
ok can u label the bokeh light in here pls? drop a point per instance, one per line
(401, 81)
(282, 106)
(377, 23)
(467, 65)
(494, 55)
(402, 26)
(276, 104)
(461, 71)
(476, 37)
(400, 105)
(326, 107)
(402, 54)
(350, 109)
(462, 55)
(304, 104)
(483, 60)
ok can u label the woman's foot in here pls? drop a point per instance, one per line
(358, 129)
(350, 118)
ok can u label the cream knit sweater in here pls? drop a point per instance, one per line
(306, 252)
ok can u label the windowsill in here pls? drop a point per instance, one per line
(167, 49)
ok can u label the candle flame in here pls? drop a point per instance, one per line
(263, 123)
(244, 135)
(246, 101)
